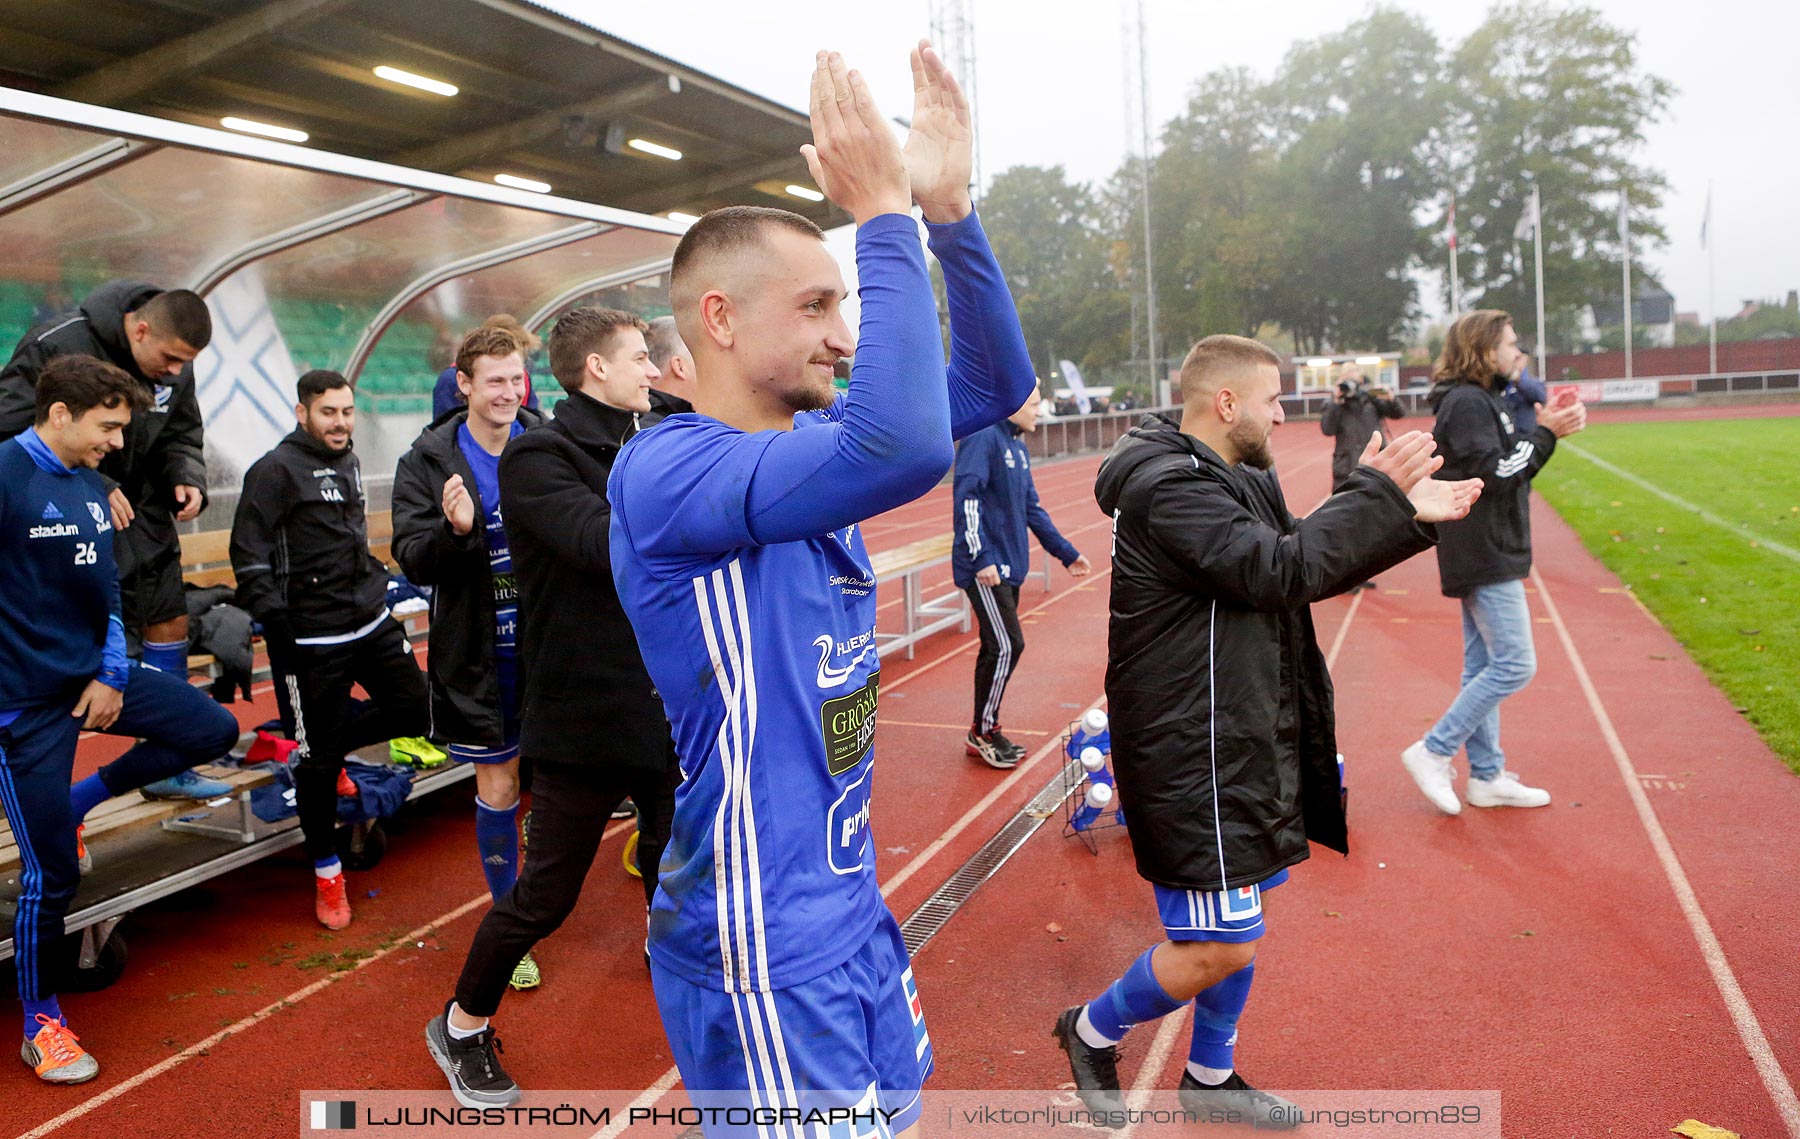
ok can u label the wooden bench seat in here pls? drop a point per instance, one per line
(123, 812)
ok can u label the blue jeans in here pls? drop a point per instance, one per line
(1498, 660)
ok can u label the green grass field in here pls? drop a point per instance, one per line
(1731, 599)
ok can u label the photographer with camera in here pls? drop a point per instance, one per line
(1354, 416)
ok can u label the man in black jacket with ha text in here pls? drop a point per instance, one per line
(593, 727)
(300, 550)
(1223, 734)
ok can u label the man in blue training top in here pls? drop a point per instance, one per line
(63, 669)
(995, 503)
(779, 972)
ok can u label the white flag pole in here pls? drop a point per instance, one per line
(1455, 281)
(1712, 335)
(1537, 241)
(1625, 245)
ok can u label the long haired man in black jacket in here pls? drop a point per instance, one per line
(450, 534)
(593, 727)
(1484, 559)
(1223, 735)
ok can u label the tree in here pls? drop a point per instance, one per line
(1048, 236)
(1554, 98)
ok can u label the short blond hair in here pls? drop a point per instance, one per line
(1217, 357)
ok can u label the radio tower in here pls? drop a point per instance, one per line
(953, 34)
(1137, 130)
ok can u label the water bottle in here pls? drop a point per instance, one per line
(1099, 797)
(1090, 732)
(1093, 762)
(1343, 791)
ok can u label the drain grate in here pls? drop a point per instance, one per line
(924, 923)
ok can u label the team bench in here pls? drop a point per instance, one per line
(920, 618)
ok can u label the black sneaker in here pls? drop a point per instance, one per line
(994, 749)
(472, 1065)
(625, 810)
(1235, 1101)
(1096, 1071)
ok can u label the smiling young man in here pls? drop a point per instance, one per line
(780, 974)
(450, 534)
(1222, 725)
(158, 477)
(63, 669)
(593, 727)
(300, 550)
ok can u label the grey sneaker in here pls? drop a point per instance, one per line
(994, 749)
(472, 1065)
(189, 784)
(55, 1056)
(1432, 773)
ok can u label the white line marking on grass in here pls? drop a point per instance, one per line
(1750, 1030)
(263, 1014)
(1722, 523)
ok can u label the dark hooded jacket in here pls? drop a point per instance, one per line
(588, 697)
(163, 448)
(300, 543)
(465, 682)
(1224, 738)
(1477, 438)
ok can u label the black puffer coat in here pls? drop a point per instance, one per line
(465, 681)
(1224, 740)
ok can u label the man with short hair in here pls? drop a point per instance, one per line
(674, 363)
(450, 535)
(1224, 741)
(63, 669)
(780, 974)
(593, 727)
(158, 478)
(994, 509)
(447, 395)
(300, 550)
(1483, 560)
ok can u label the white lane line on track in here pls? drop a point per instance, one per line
(1705, 514)
(1749, 1029)
(263, 1014)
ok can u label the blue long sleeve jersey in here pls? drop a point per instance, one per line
(59, 612)
(740, 562)
(994, 505)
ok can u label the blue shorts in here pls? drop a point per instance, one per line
(1215, 915)
(509, 722)
(851, 1041)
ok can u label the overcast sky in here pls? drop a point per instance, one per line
(1050, 90)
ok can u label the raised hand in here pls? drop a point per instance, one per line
(853, 156)
(1408, 460)
(1437, 501)
(459, 508)
(940, 150)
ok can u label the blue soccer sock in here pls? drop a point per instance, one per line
(1132, 999)
(1216, 1013)
(167, 656)
(497, 841)
(327, 868)
(85, 796)
(47, 1006)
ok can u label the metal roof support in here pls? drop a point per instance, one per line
(683, 192)
(571, 295)
(459, 150)
(312, 229)
(70, 171)
(418, 287)
(125, 78)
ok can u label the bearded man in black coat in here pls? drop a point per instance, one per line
(1223, 735)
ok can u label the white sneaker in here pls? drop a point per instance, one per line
(1505, 790)
(1432, 774)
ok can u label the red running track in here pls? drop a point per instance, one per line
(1542, 953)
